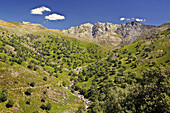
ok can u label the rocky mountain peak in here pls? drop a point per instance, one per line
(87, 24)
(113, 34)
(134, 23)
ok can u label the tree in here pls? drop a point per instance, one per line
(83, 91)
(113, 103)
(150, 95)
(77, 87)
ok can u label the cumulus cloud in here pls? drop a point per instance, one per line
(54, 17)
(140, 20)
(129, 19)
(40, 10)
(121, 19)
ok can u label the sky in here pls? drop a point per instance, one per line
(63, 14)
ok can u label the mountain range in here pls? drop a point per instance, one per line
(105, 34)
(113, 34)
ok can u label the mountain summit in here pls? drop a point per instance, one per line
(112, 34)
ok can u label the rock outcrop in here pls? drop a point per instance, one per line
(133, 30)
(111, 34)
(101, 33)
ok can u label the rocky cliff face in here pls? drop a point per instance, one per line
(133, 30)
(101, 33)
(82, 31)
(112, 34)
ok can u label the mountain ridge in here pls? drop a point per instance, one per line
(103, 33)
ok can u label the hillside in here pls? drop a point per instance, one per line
(44, 70)
(126, 74)
(34, 68)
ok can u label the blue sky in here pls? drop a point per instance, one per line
(76, 12)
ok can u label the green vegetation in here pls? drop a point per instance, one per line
(28, 92)
(10, 103)
(4, 95)
(44, 70)
(133, 78)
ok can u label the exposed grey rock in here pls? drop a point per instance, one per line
(111, 34)
(82, 31)
(132, 30)
(101, 33)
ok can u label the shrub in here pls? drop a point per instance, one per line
(48, 106)
(167, 61)
(4, 95)
(119, 74)
(119, 62)
(87, 78)
(129, 53)
(35, 112)
(45, 78)
(124, 67)
(134, 58)
(102, 96)
(43, 107)
(32, 84)
(43, 99)
(45, 91)
(56, 75)
(10, 103)
(64, 83)
(28, 92)
(35, 68)
(30, 66)
(28, 101)
(77, 87)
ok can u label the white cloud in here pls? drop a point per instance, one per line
(121, 19)
(129, 19)
(40, 10)
(140, 20)
(54, 17)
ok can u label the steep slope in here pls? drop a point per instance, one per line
(35, 67)
(23, 28)
(126, 81)
(133, 30)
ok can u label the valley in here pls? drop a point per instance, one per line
(100, 68)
